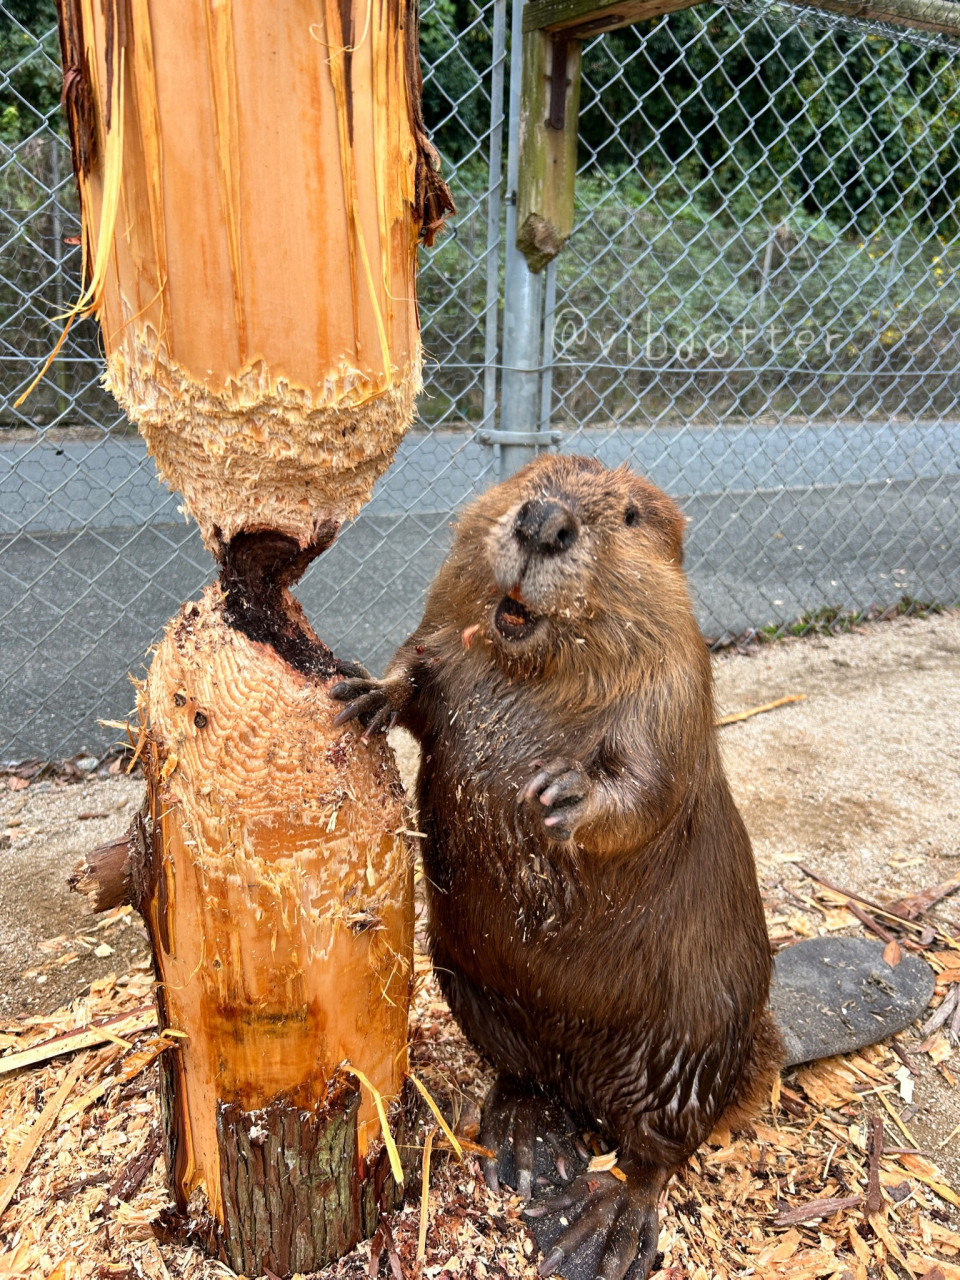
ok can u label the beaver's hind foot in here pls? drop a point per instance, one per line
(599, 1228)
(537, 1144)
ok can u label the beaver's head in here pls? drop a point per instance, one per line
(569, 555)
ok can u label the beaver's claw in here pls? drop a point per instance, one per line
(560, 791)
(368, 700)
(597, 1229)
(535, 1142)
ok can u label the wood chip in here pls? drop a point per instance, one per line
(874, 1198)
(45, 1121)
(824, 1208)
(88, 1037)
(424, 1197)
(916, 903)
(131, 1177)
(924, 1266)
(783, 1201)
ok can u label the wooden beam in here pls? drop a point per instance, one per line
(548, 146)
(939, 16)
(586, 17)
(553, 31)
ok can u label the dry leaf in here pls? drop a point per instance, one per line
(892, 953)
(940, 1050)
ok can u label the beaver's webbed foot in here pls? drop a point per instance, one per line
(599, 1228)
(537, 1144)
(559, 791)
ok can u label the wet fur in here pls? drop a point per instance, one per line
(623, 971)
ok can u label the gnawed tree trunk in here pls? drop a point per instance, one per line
(278, 898)
(254, 179)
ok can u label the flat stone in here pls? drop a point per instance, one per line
(834, 995)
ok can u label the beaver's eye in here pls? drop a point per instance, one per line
(631, 516)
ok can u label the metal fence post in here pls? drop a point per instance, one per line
(519, 436)
(494, 200)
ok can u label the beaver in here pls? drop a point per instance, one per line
(594, 915)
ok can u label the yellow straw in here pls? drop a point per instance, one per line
(388, 1141)
(436, 1111)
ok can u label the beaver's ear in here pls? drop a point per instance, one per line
(662, 515)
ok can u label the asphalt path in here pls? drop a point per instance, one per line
(79, 609)
(108, 481)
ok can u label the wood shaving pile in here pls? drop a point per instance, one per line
(827, 1182)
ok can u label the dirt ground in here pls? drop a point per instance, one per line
(860, 782)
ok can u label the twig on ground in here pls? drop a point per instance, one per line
(886, 912)
(874, 1199)
(425, 1195)
(737, 716)
(869, 923)
(915, 904)
(133, 1175)
(904, 1057)
(824, 1208)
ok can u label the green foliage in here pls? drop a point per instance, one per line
(720, 109)
(455, 53)
(735, 114)
(29, 70)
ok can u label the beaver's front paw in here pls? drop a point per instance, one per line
(598, 1228)
(560, 790)
(368, 700)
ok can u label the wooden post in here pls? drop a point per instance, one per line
(549, 115)
(254, 179)
(553, 33)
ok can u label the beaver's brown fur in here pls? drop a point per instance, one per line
(595, 919)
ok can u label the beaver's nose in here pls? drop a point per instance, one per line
(545, 527)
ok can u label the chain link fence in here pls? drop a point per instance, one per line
(759, 308)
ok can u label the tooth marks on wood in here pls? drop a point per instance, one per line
(257, 571)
